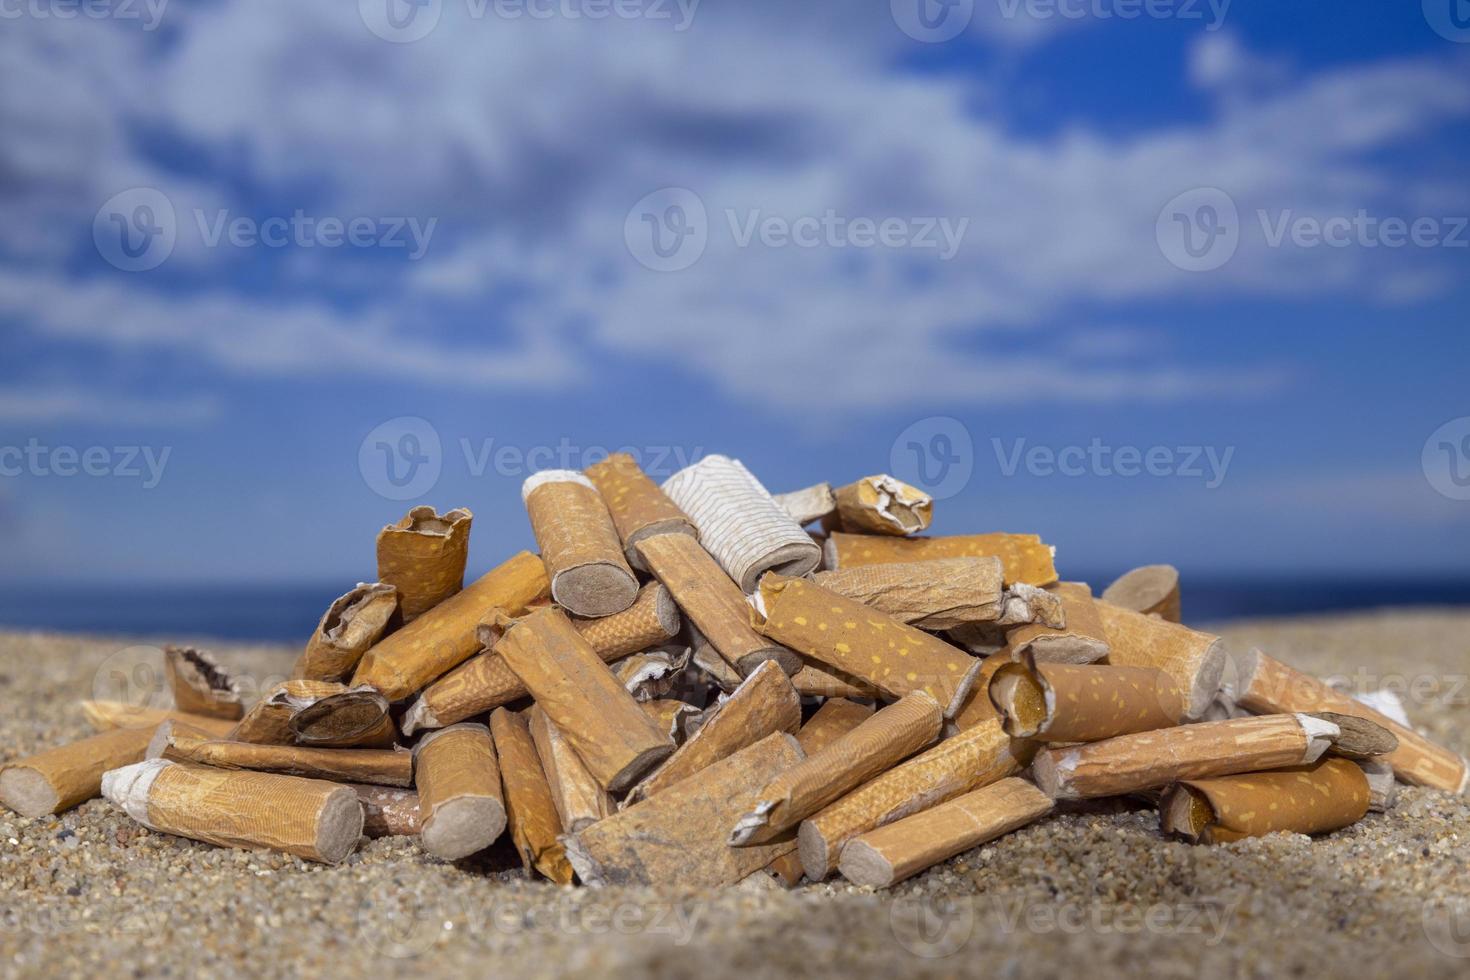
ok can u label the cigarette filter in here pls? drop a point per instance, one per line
(602, 721)
(387, 811)
(1148, 760)
(104, 716)
(1024, 557)
(1268, 685)
(1083, 703)
(1195, 660)
(1328, 795)
(1358, 738)
(355, 718)
(977, 708)
(809, 504)
(1081, 640)
(61, 778)
(388, 767)
(579, 801)
(939, 594)
(589, 575)
(1152, 590)
(835, 718)
(350, 626)
(853, 639)
(815, 682)
(639, 509)
(309, 818)
(200, 685)
(457, 775)
(410, 659)
(883, 505)
(670, 715)
(893, 734)
(713, 603)
(740, 523)
(975, 757)
(423, 556)
(535, 826)
(765, 703)
(268, 722)
(677, 837)
(651, 620)
(888, 855)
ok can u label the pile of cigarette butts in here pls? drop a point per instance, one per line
(700, 683)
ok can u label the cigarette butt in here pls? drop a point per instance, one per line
(387, 767)
(669, 715)
(1383, 788)
(835, 718)
(740, 523)
(975, 757)
(104, 716)
(977, 708)
(1358, 738)
(856, 640)
(579, 801)
(1268, 685)
(268, 722)
(423, 556)
(713, 603)
(1024, 557)
(356, 718)
(890, 736)
(350, 626)
(589, 575)
(1081, 640)
(457, 776)
(535, 826)
(63, 777)
(639, 509)
(1195, 660)
(939, 594)
(1059, 702)
(1149, 760)
(883, 505)
(309, 818)
(809, 504)
(890, 854)
(765, 703)
(1328, 795)
(387, 811)
(611, 734)
(651, 674)
(818, 682)
(1152, 590)
(677, 837)
(200, 685)
(409, 660)
(651, 620)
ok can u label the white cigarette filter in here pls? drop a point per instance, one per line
(740, 523)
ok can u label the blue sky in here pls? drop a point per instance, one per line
(507, 170)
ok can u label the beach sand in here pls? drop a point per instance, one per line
(1084, 894)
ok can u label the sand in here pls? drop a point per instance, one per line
(1092, 894)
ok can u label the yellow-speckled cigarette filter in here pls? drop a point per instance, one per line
(1267, 685)
(856, 640)
(808, 504)
(933, 595)
(268, 722)
(423, 556)
(388, 767)
(677, 837)
(200, 685)
(63, 777)
(975, 757)
(1327, 795)
(883, 505)
(387, 811)
(1081, 640)
(535, 826)
(740, 523)
(580, 802)
(765, 703)
(713, 603)
(104, 716)
(890, 736)
(816, 682)
(583, 555)
(611, 734)
(835, 718)
(651, 620)
(350, 626)
(309, 818)
(1083, 702)
(1151, 590)
(412, 658)
(1024, 557)
(1195, 660)
(902, 849)
(639, 509)
(457, 775)
(1149, 760)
